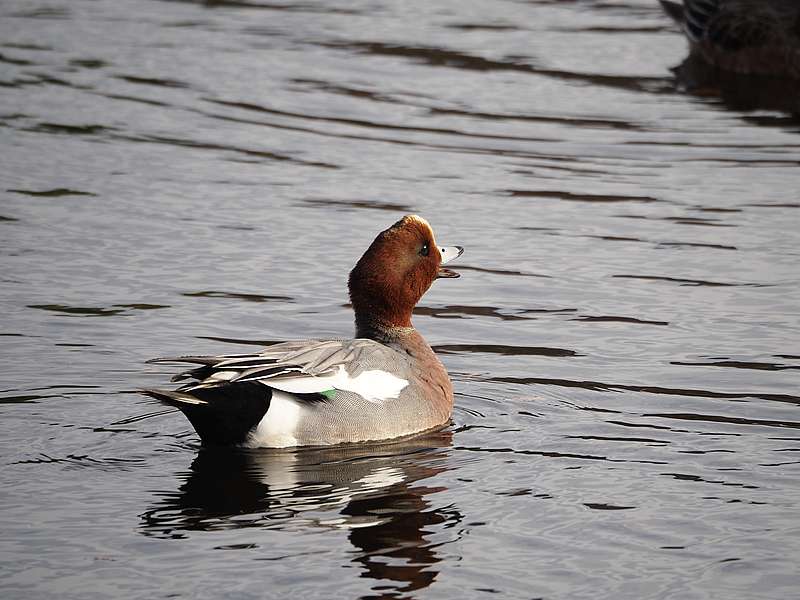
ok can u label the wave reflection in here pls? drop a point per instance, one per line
(373, 492)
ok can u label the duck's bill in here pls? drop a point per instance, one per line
(449, 253)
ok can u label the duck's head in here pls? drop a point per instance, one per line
(395, 271)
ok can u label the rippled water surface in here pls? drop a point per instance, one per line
(624, 340)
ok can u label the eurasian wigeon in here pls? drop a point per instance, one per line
(756, 37)
(386, 383)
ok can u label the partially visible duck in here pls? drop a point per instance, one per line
(754, 37)
(386, 383)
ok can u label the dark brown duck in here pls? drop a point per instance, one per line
(753, 37)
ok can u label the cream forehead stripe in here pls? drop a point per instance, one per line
(419, 221)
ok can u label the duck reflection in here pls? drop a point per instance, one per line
(747, 52)
(370, 491)
(397, 549)
(737, 91)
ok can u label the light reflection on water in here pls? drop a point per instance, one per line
(201, 176)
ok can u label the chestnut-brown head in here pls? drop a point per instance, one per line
(395, 271)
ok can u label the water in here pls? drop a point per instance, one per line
(201, 176)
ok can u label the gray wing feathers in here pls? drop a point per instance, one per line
(290, 359)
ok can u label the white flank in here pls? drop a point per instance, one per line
(278, 426)
(375, 385)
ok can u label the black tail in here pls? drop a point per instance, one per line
(674, 10)
(222, 415)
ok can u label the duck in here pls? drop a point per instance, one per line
(750, 37)
(384, 383)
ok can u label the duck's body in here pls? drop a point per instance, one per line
(386, 383)
(754, 37)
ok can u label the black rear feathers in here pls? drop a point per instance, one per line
(223, 414)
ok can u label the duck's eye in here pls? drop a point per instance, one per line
(425, 250)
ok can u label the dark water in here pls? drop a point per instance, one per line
(624, 341)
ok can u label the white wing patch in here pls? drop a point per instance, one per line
(375, 385)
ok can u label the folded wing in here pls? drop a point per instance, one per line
(362, 366)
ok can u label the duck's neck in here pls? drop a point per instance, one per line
(382, 331)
